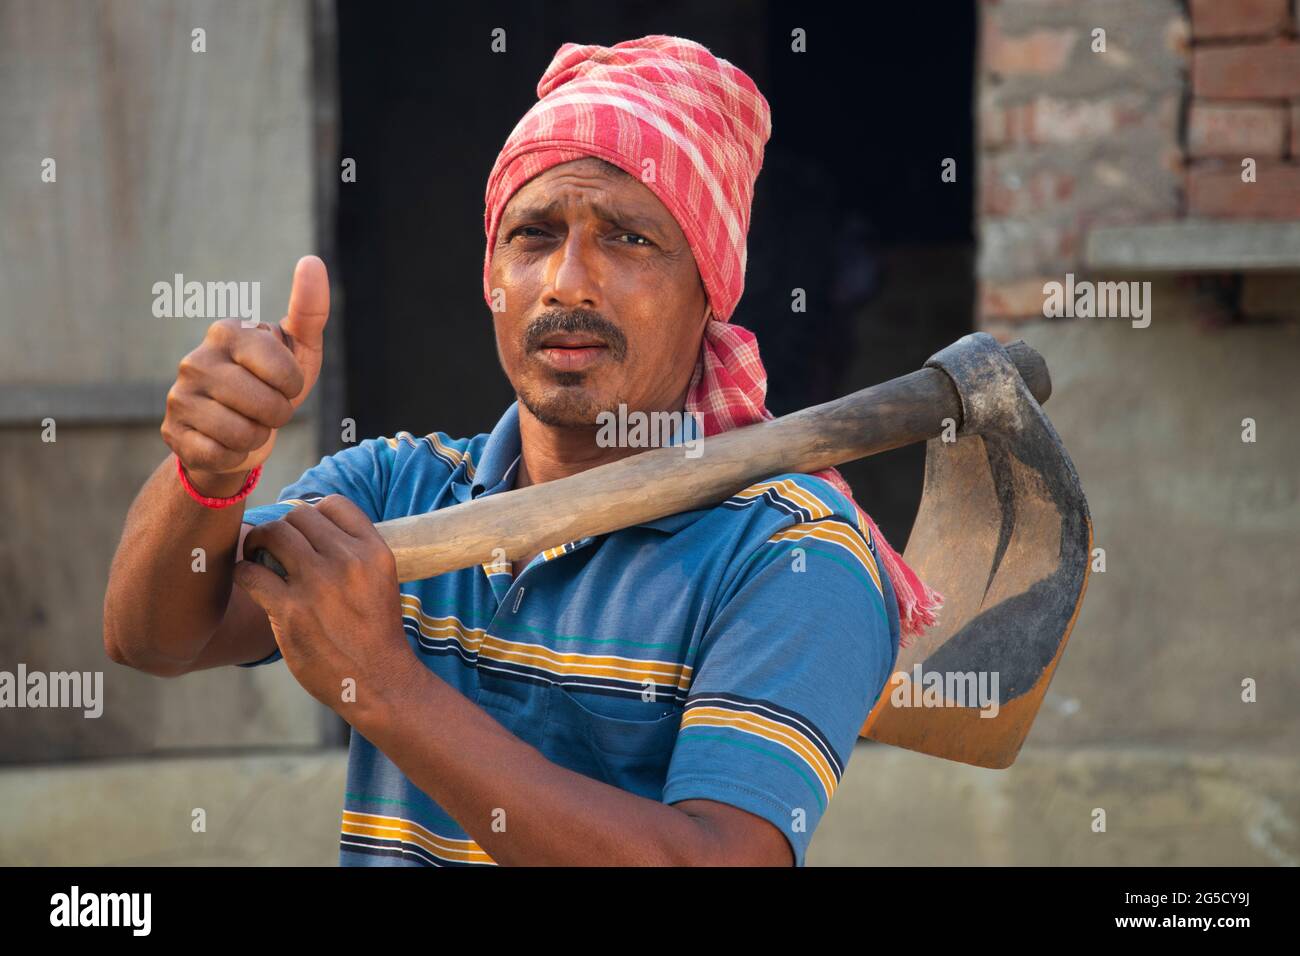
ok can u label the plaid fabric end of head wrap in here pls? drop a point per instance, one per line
(668, 104)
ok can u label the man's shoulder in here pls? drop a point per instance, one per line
(407, 458)
(761, 509)
(802, 520)
(783, 501)
(433, 448)
(382, 473)
(421, 472)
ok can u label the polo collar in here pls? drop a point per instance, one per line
(499, 462)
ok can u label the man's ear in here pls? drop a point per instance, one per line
(708, 306)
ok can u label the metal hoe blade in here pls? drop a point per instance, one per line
(1003, 533)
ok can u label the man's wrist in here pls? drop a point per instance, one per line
(214, 485)
(409, 687)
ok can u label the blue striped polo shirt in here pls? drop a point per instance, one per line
(729, 653)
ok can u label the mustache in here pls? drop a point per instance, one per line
(572, 321)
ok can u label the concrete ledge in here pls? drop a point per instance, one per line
(266, 809)
(1163, 807)
(1195, 246)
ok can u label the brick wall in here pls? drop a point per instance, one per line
(1244, 91)
(1152, 128)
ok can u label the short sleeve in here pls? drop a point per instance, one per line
(361, 473)
(793, 660)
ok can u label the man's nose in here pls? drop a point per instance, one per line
(572, 281)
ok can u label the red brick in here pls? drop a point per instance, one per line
(1005, 125)
(1215, 19)
(1048, 119)
(1218, 129)
(1217, 192)
(1005, 332)
(1295, 130)
(1253, 71)
(1040, 53)
(1014, 195)
(1012, 299)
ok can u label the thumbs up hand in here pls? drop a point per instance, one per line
(309, 310)
(241, 385)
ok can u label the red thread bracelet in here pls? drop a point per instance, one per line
(207, 502)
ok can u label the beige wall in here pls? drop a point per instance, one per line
(168, 161)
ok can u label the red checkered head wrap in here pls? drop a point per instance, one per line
(692, 127)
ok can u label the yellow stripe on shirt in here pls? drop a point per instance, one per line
(835, 533)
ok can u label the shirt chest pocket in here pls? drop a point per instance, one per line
(632, 755)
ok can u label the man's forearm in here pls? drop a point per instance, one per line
(159, 612)
(521, 808)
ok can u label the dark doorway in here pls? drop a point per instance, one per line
(849, 207)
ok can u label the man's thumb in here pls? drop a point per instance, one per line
(263, 585)
(309, 303)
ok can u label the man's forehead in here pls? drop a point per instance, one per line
(608, 191)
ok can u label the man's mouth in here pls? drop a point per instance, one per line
(571, 352)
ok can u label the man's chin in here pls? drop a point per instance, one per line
(566, 402)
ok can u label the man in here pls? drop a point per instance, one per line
(684, 691)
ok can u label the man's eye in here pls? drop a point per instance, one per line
(523, 229)
(634, 235)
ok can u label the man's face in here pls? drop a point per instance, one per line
(603, 300)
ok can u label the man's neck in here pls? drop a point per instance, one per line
(550, 452)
